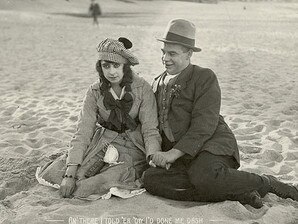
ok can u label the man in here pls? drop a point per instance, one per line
(95, 11)
(197, 144)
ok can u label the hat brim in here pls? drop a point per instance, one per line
(195, 49)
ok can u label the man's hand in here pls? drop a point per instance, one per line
(163, 158)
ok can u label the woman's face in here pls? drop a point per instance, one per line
(112, 71)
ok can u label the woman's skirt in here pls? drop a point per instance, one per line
(124, 173)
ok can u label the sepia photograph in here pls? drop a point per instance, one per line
(149, 112)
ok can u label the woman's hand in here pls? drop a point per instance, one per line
(67, 187)
(68, 183)
(162, 159)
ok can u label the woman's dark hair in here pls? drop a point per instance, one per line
(105, 84)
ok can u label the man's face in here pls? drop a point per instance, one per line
(175, 57)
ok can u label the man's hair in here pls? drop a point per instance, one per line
(184, 49)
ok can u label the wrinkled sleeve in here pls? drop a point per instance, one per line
(149, 121)
(205, 114)
(85, 129)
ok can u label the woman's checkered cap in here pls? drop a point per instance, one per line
(114, 50)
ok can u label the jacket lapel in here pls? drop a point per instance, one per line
(182, 80)
(184, 76)
(156, 82)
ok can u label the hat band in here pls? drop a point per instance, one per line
(181, 39)
(113, 57)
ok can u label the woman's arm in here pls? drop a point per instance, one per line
(85, 129)
(149, 121)
(82, 138)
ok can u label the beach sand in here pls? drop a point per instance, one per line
(47, 61)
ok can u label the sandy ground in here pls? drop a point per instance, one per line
(47, 61)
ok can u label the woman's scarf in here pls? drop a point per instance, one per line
(119, 119)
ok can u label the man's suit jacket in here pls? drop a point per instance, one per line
(194, 114)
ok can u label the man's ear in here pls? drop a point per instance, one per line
(189, 53)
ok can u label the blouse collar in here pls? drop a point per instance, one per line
(115, 95)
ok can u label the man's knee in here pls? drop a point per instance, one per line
(172, 184)
(151, 177)
(207, 177)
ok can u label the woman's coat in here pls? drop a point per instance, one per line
(146, 136)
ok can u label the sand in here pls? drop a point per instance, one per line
(47, 61)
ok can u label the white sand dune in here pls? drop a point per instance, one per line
(47, 61)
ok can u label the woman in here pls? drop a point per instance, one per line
(119, 113)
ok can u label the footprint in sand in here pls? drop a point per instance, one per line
(48, 141)
(60, 113)
(261, 169)
(277, 147)
(267, 168)
(250, 149)
(291, 110)
(275, 123)
(254, 106)
(290, 125)
(250, 130)
(286, 132)
(291, 156)
(33, 134)
(4, 144)
(33, 143)
(248, 137)
(271, 155)
(58, 120)
(34, 152)
(14, 185)
(251, 124)
(273, 136)
(73, 118)
(51, 129)
(296, 171)
(268, 164)
(285, 169)
(21, 150)
(239, 120)
(6, 213)
(9, 110)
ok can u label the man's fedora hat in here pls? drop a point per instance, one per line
(181, 31)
